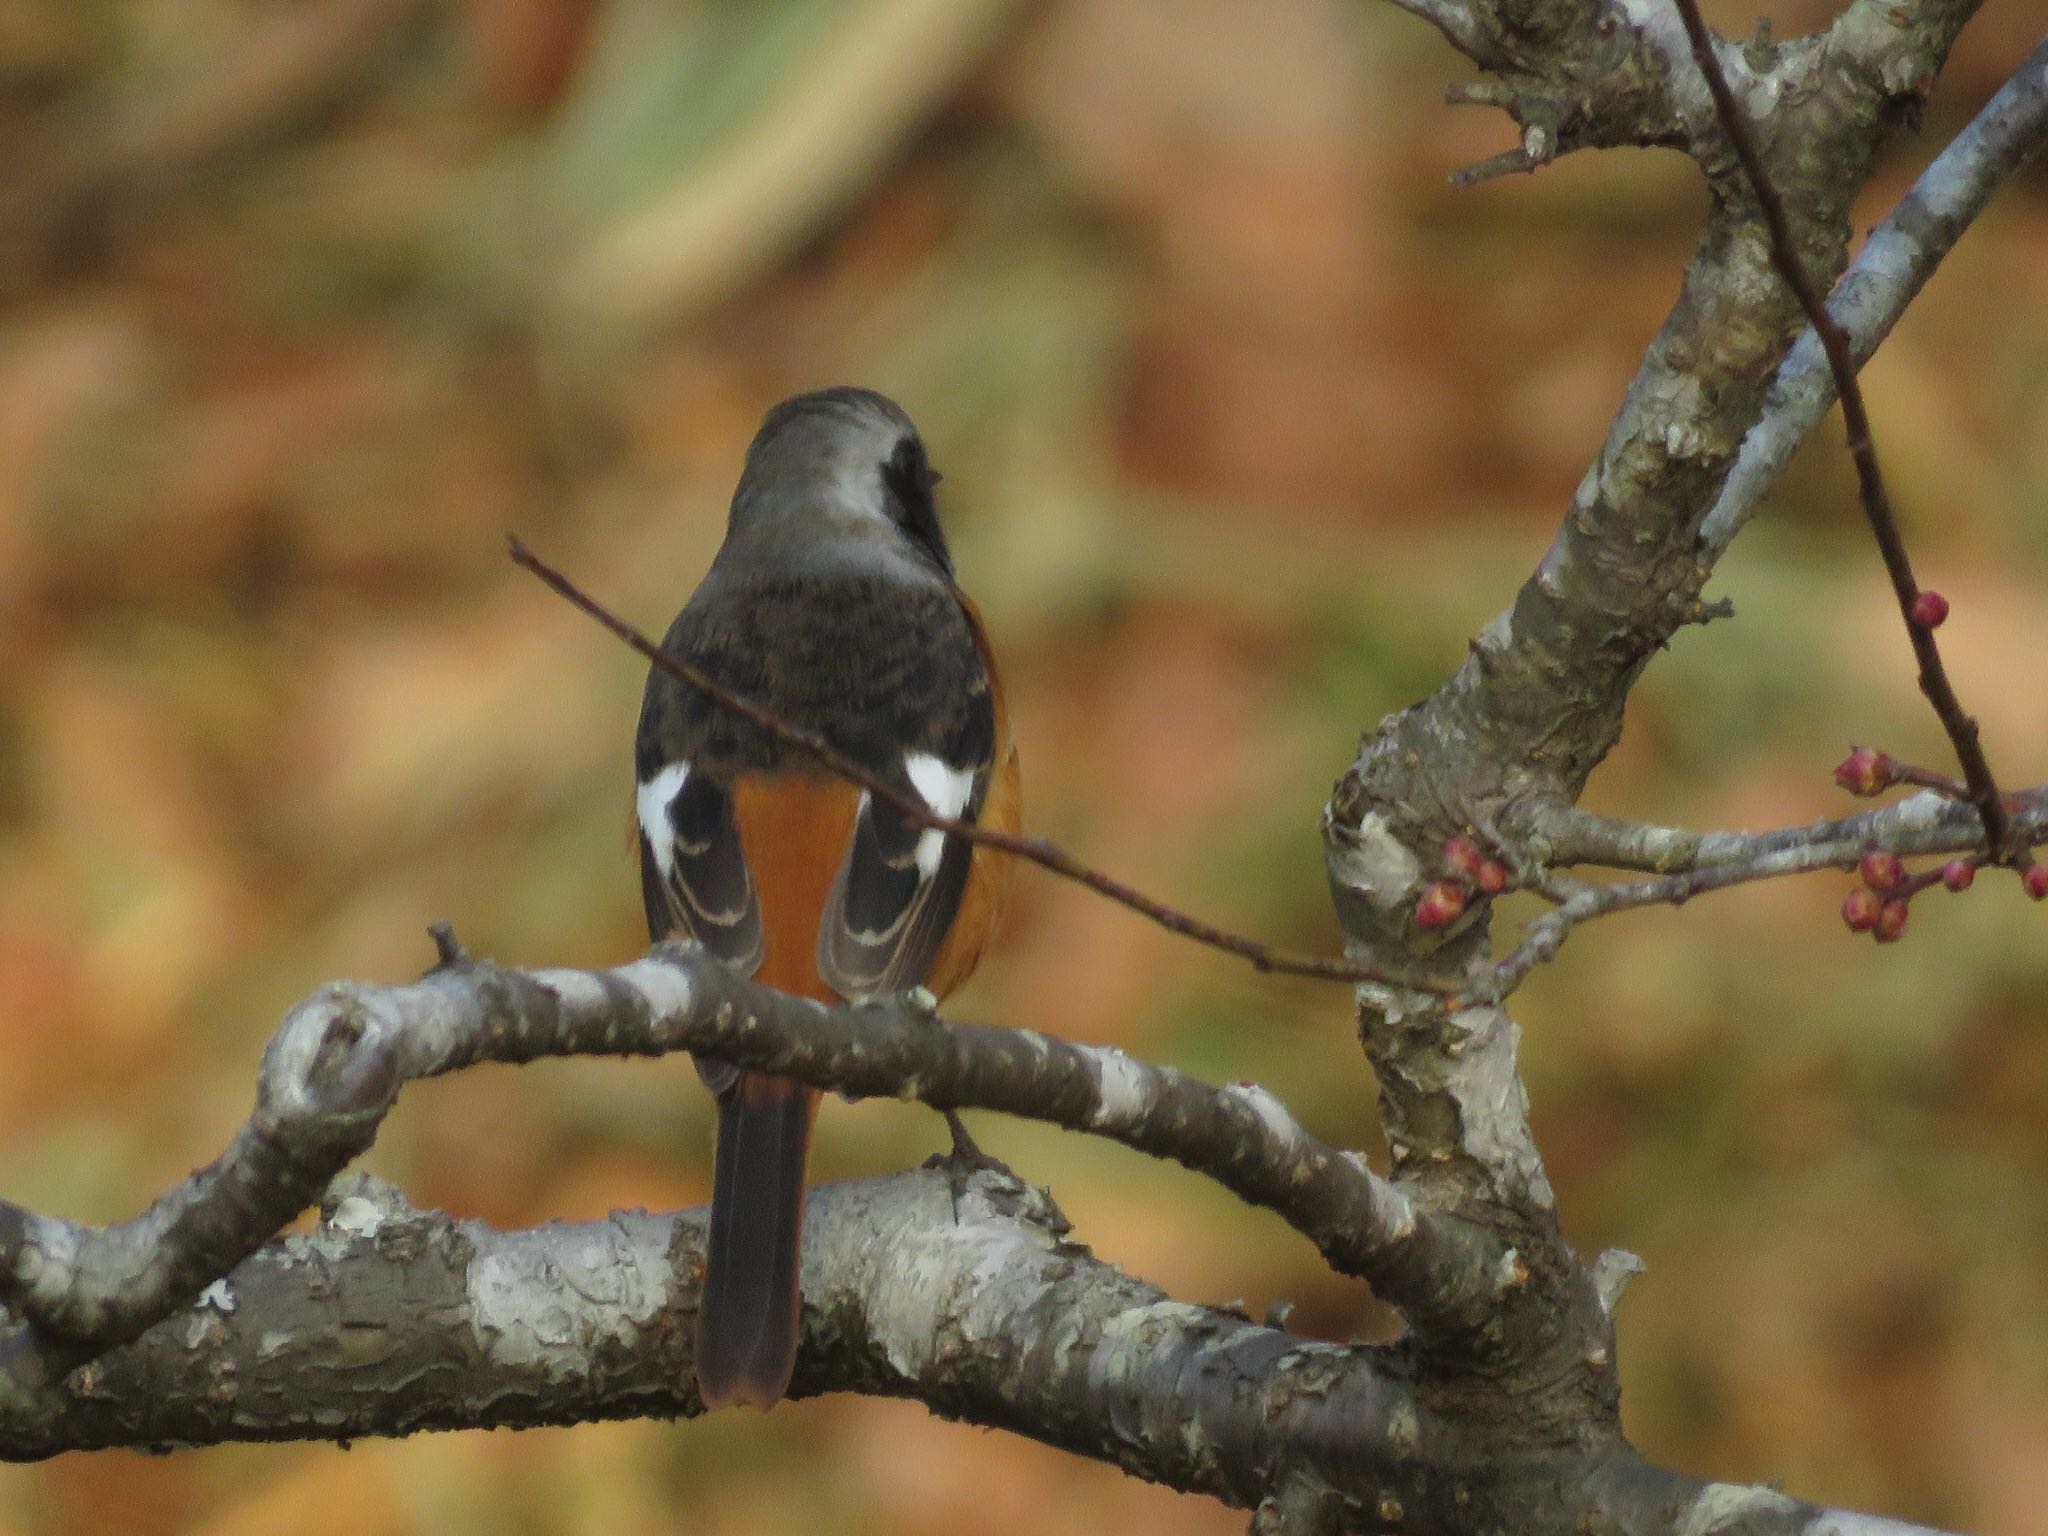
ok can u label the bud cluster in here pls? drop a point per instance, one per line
(1468, 868)
(1879, 907)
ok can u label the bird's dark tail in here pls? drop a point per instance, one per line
(752, 1312)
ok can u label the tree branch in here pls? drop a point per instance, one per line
(1887, 275)
(1696, 863)
(334, 1069)
(1929, 822)
(387, 1320)
(1920, 619)
(1538, 702)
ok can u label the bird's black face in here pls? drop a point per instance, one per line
(908, 480)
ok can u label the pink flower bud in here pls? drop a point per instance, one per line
(1860, 908)
(2035, 881)
(1882, 872)
(1958, 874)
(1441, 905)
(1865, 772)
(1462, 857)
(1891, 920)
(1492, 876)
(1928, 609)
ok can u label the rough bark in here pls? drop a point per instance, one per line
(1498, 1410)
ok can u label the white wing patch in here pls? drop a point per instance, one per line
(653, 802)
(946, 791)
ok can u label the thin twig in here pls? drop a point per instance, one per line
(1934, 679)
(1041, 851)
(1690, 864)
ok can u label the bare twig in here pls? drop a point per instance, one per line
(1934, 680)
(1041, 851)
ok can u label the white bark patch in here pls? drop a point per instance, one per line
(666, 989)
(1612, 1272)
(1392, 1211)
(220, 1296)
(1494, 1104)
(533, 1305)
(357, 1216)
(652, 806)
(1377, 864)
(578, 990)
(1273, 1115)
(1845, 1522)
(1120, 1086)
(1139, 1324)
(1721, 1504)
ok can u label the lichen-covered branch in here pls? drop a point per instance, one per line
(965, 1293)
(337, 1062)
(1502, 751)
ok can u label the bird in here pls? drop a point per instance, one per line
(832, 605)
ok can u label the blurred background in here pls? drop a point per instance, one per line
(1248, 422)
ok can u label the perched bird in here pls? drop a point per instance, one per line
(832, 605)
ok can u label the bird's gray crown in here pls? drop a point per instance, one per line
(836, 480)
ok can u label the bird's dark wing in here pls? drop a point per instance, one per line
(693, 870)
(900, 884)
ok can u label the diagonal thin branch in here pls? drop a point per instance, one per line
(1041, 851)
(1934, 679)
(1887, 275)
(334, 1069)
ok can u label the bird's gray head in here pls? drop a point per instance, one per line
(837, 480)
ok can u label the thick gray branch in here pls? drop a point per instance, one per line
(1538, 703)
(968, 1296)
(336, 1064)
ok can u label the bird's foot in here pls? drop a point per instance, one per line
(964, 1161)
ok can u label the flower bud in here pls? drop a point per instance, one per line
(1882, 872)
(1928, 609)
(2035, 881)
(1441, 905)
(1492, 877)
(1462, 857)
(1891, 920)
(1860, 908)
(1866, 772)
(1958, 874)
